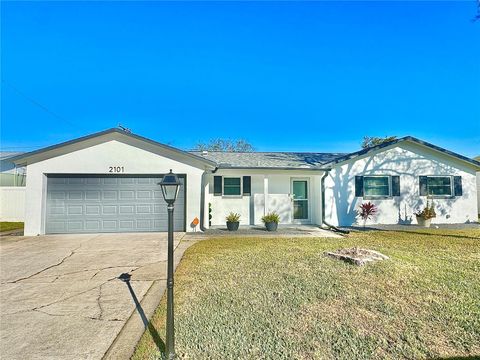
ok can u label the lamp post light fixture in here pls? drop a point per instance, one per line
(170, 186)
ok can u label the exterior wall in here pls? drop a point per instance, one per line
(478, 193)
(252, 208)
(96, 160)
(409, 161)
(12, 203)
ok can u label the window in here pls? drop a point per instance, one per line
(439, 186)
(376, 186)
(232, 186)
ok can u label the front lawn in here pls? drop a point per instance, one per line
(244, 298)
(6, 225)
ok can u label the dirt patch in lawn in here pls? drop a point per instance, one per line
(357, 256)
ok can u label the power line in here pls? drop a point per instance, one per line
(38, 104)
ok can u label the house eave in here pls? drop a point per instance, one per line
(26, 158)
(269, 168)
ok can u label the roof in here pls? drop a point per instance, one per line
(276, 160)
(19, 159)
(6, 155)
(250, 160)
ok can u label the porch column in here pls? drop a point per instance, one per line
(265, 194)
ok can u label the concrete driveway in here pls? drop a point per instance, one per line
(61, 297)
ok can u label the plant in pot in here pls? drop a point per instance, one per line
(425, 216)
(271, 221)
(366, 211)
(233, 220)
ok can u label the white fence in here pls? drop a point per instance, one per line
(12, 203)
(478, 191)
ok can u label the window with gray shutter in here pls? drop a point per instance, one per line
(247, 185)
(217, 186)
(358, 186)
(395, 185)
(457, 185)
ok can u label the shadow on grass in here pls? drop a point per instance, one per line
(470, 357)
(147, 325)
(361, 229)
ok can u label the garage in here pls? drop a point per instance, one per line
(109, 203)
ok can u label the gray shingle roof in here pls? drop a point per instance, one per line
(281, 160)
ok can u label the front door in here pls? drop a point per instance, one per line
(300, 194)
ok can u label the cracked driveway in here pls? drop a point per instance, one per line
(59, 294)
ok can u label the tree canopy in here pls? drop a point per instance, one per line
(374, 140)
(238, 145)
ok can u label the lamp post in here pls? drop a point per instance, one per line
(170, 186)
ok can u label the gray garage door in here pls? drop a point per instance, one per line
(116, 203)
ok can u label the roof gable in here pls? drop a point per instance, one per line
(411, 139)
(98, 138)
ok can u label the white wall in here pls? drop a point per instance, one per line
(409, 161)
(252, 208)
(12, 203)
(478, 192)
(96, 160)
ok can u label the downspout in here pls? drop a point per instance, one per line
(202, 198)
(329, 226)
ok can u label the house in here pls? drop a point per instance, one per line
(478, 187)
(12, 188)
(11, 175)
(108, 182)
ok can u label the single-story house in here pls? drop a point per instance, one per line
(478, 187)
(11, 175)
(108, 182)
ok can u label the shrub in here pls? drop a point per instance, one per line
(367, 211)
(428, 212)
(233, 217)
(271, 217)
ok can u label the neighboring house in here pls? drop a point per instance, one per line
(108, 182)
(12, 188)
(11, 175)
(478, 187)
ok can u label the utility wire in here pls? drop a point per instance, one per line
(36, 103)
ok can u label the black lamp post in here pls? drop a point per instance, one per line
(170, 186)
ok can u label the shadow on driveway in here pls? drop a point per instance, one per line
(125, 277)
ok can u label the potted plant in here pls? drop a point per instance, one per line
(233, 220)
(366, 211)
(425, 216)
(271, 221)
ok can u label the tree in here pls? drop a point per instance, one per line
(374, 141)
(239, 145)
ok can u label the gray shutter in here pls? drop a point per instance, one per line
(247, 185)
(358, 186)
(217, 185)
(395, 185)
(457, 186)
(422, 180)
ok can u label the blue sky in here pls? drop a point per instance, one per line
(287, 76)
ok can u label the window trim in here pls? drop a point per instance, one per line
(241, 186)
(452, 190)
(378, 197)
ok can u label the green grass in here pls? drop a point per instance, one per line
(244, 298)
(6, 226)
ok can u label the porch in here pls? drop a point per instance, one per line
(296, 197)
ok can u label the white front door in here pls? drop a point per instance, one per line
(301, 203)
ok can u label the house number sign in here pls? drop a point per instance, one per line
(116, 169)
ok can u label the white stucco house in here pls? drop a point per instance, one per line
(108, 182)
(478, 187)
